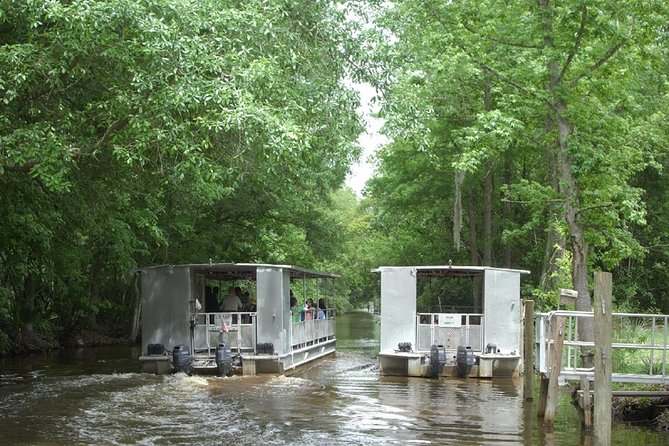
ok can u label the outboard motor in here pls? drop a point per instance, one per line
(156, 349)
(404, 346)
(464, 361)
(181, 360)
(223, 360)
(265, 348)
(437, 360)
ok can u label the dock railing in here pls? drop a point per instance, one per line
(639, 345)
(450, 330)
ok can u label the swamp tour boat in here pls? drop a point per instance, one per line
(450, 321)
(186, 328)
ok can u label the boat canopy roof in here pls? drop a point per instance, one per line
(450, 270)
(245, 271)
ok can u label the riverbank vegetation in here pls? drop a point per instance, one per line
(140, 133)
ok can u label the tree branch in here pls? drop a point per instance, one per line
(553, 200)
(590, 208)
(609, 54)
(500, 41)
(114, 127)
(479, 64)
(577, 44)
(22, 168)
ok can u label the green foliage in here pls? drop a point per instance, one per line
(136, 133)
(470, 90)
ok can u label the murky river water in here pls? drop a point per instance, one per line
(97, 397)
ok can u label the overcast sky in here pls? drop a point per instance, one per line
(370, 141)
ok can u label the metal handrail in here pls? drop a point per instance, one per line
(653, 327)
(436, 337)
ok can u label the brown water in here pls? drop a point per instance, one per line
(96, 396)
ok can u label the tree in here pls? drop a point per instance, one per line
(149, 132)
(565, 74)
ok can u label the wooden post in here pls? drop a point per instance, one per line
(543, 396)
(603, 322)
(556, 363)
(528, 349)
(585, 404)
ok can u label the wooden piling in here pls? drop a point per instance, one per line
(528, 349)
(585, 404)
(556, 363)
(603, 352)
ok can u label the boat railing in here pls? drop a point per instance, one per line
(236, 329)
(313, 331)
(450, 330)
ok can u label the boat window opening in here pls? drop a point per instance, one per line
(443, 294)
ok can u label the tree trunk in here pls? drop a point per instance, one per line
(579, 247)
(487, 186)
(487, 215)
(474, 258)
(137, 308)
(506, 209)
(26, 337)
(568, 185)
(555, 243)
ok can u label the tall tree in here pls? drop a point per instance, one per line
(163, 131)
(565, 71)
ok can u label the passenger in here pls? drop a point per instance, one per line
(231, 301)
(211, 300)
(250, 307)
(294, 310)
(309, 310)
(320, 314)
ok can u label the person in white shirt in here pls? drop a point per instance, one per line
(232, 302)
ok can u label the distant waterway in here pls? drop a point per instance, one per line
(96, 396)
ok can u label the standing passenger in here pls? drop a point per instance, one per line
(294, 310)
(231, 301)
(309, 310)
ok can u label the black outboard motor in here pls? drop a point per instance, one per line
(404, 346)
(464, 361)
(181, 360)
(156, 349)
(437, 360)
(224, 360)
(265, 348)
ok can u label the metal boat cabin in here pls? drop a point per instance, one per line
(185, 329)
(450, 320)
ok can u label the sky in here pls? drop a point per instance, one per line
(370, 141)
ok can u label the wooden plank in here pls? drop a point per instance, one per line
(555, 362)
(528, 349)
(603, 352)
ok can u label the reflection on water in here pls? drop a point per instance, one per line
(96, 396)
